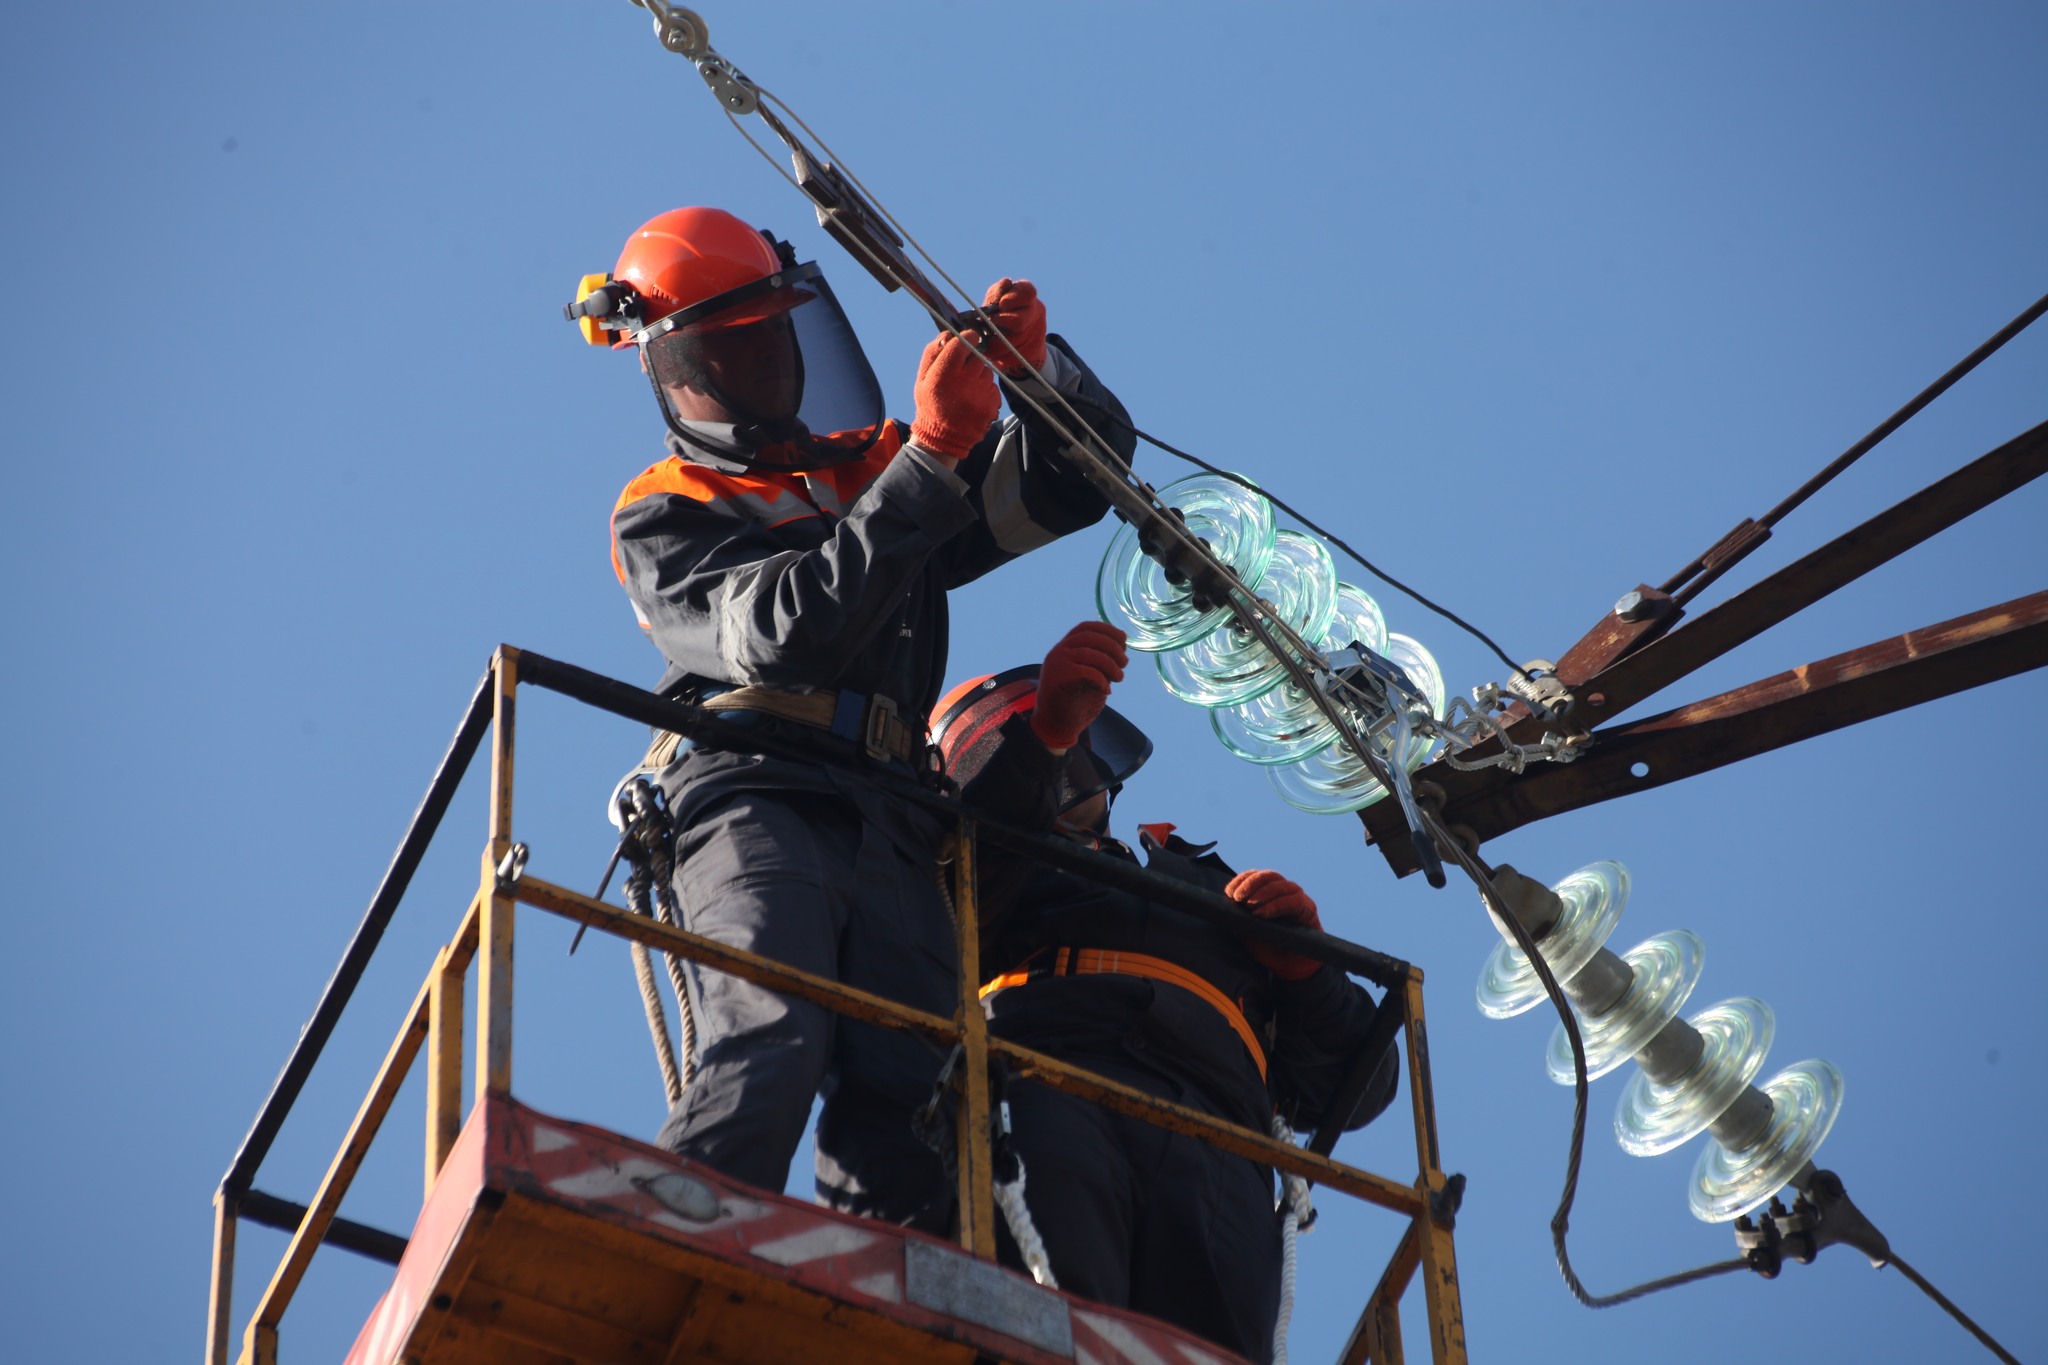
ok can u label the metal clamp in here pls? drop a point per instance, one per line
(510, 869)
(881, 718)
(683, 32)
(1823, 1214)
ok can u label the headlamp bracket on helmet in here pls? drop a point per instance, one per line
(731, 298)
(604, 309)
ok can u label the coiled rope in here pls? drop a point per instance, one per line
(648, 845)
(1296, 1213)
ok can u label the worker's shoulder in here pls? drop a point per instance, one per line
(696, 482)
(756, 494)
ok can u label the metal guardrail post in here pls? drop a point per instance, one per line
(976, 1159)
(494, 969)
(444, 1063)
(1432, 1227)
(221, 1290)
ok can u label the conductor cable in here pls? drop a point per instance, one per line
(1958, 1314)
(1362, 561)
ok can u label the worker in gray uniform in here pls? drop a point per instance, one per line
(1131, 1214)
(790, 559)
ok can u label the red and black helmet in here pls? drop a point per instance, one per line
(968, 726)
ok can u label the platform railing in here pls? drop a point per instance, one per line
(484, 939)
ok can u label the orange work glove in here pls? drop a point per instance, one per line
(1074, 682)
(1271, 896)
(1019, 314)
(956, 398)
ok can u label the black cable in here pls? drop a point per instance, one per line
(1958, 1314)
(1363, 562)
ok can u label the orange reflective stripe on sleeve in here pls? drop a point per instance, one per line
(760, 500)
(765, 499)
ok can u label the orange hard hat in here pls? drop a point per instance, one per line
(685, 256)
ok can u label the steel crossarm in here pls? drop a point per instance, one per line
(1639, 649)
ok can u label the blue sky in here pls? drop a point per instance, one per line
(1531, 302)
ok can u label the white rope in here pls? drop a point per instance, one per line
(1295, 1213)
(1010, 1199)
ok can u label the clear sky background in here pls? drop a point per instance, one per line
(1532, 302)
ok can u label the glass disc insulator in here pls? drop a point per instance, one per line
(1334, 779)
(1665, 969)
(1132, 590)
(1356, 621)
(1230, 664)
(1594, 898)
(1280, 726)
(1735, 1035)
(1285, 725)
(1805, 1098)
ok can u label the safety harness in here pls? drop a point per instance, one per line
(1107, 962)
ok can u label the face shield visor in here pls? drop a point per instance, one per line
(769, 375)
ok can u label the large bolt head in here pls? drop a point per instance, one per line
(1632, 606)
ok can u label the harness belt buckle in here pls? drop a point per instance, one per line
(875, 732)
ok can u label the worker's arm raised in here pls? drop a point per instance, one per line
(1026, 491)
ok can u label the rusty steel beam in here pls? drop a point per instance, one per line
(1889, 676)
(1619, 663)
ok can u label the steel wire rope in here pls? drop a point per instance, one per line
(1990, 1344)
(1108, 469)
(1246, 606)
(1682, 579)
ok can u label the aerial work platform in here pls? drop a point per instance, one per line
(541, 1240)
(547, 1241)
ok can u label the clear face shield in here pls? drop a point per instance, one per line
(769, 375)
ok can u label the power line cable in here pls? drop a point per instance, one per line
(1363, 562)
(1958, 1314)
(1691, 589)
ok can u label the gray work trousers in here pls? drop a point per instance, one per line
(812, 879)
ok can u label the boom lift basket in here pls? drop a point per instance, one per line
(543, 1240)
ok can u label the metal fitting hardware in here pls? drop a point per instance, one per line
(1632, 606)
(511, 868)
(1821, 1216)
(1445, 1203)
(874, 739)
